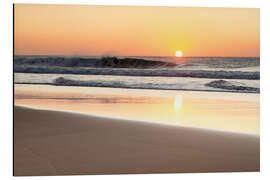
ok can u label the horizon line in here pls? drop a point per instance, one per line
(80, 55)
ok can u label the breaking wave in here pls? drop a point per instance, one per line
(98, 62)
(225, 85)
(139, 72)
(205, 67)
(222, 84)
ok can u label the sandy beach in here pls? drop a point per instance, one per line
(63, 143)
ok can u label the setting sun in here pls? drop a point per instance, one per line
(178, 54)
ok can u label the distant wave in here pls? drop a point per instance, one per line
(138, 61)
(231, 86)
(139, 72)
(102, 62)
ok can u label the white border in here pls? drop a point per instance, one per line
(191, 3)
(6, 85)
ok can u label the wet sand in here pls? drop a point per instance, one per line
(63, 143)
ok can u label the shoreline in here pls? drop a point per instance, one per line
(217, 109)
(191, 90)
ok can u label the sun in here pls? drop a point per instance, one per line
(178, 54)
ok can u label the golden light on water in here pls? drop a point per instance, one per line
(196, 109)
(178, 102)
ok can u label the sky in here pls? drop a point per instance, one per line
(135, 30)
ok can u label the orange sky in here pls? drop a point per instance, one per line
(135, 30)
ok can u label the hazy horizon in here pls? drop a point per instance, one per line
(101, 55)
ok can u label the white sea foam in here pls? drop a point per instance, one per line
(172, 83)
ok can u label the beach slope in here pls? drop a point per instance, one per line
(62, 143)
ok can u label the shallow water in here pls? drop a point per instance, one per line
(238, 112)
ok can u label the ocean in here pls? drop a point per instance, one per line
(228, 74)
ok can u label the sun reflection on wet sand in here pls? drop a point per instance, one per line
(221, 111)
(178, 102)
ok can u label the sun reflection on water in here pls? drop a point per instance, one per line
(178, 105)
(235, 112)
(178, 102)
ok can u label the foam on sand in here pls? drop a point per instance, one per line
(61, 143)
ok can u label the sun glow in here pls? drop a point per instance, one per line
(178, 54)
(178, 102)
